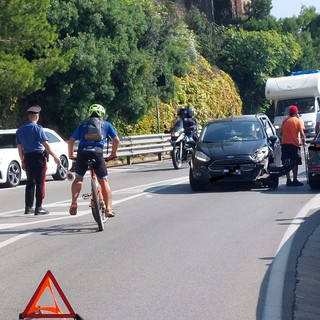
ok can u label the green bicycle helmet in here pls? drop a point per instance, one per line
(97, 109)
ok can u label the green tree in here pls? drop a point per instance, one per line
(170, 46)
(107, 61)
(208, 35)
(305, 29)
(252, 57)
(29, 53)
(314, 28)
(121, 47)
(267, 24)
(258, 9)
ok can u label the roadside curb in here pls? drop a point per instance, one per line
(307, 289)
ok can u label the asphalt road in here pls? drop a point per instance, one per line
(168, 254)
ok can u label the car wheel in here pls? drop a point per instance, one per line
(273, 182)
(61, 174)
(313, 182)
(196, 185)
(13, 174)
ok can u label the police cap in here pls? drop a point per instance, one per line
(34, 109)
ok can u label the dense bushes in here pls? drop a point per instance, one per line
(211, 92)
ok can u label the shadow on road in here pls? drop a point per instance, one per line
(57, 230)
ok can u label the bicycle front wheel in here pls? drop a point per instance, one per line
(96, 209)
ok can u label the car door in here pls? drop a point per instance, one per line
(273, 140)
(54, 142)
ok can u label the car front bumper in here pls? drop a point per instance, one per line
(242, 172)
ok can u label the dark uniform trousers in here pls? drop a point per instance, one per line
(36, 167)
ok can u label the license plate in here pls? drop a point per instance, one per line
(236, 172)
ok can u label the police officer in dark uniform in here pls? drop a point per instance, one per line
(33, 148)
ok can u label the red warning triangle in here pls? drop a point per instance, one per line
(33, 310)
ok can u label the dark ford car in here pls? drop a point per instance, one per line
(235, 149)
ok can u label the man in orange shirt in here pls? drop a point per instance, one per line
(292, 132)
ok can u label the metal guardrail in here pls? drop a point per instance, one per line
(143, 144)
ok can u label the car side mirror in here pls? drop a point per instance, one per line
(273, 139)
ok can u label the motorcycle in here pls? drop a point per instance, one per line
(183, 145)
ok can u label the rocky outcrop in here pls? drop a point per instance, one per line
(237, 7)
(206, 6)
(217, 9)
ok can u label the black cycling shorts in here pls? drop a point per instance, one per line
(290, 154)
(99, 166)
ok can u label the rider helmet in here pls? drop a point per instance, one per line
(97, 109)
(189, 111)
(186, 112)
(182, 113)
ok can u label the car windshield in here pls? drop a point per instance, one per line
(8, 141)
(305, 105)
(232, 131)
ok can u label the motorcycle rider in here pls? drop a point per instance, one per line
(190, 124)
(184, 135)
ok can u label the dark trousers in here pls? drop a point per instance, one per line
(36, 167)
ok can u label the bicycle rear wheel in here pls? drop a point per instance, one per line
(96, 209)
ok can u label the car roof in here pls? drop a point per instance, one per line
(10, 131)
(238, 118)
(7, 131)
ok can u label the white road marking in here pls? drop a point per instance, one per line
(181, 180)
(273, 302)
(49, 205)
(139, 189)
(14, 239)
(142, 186)
(23, 224)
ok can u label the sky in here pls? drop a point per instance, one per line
(289, 8)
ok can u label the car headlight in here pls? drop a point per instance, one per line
(260, 154)
(199, 155)
(309, 124)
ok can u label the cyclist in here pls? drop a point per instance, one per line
(92, 134)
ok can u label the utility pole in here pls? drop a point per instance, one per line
(161, 82)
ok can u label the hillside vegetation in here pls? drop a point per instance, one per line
(212, 94)
(66, 55)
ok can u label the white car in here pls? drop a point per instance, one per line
(10, 165)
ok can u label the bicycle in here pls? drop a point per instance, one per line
(98, 207)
